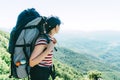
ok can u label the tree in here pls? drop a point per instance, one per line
(94, 75)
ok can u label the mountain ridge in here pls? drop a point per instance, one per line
(82, 61)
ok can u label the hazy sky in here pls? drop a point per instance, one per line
(86, 15)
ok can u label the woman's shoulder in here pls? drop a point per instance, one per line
(41, 41)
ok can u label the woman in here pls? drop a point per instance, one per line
(41, 58)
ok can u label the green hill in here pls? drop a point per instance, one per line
(85, 62)
(63, 71)
(91, 51)
(70, 64)
(104, 45)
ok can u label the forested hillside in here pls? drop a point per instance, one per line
(92, 50)
(103, 45)
(85, 62)
(70, 63)
(63, 71)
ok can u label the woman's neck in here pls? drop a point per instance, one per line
(51, 35)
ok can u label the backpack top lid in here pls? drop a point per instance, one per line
(27, 16)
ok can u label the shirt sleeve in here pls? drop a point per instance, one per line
(41, 41)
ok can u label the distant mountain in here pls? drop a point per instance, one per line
(83, 62)
(102, 44)
(8, 30)
(106, 35)
(78, 53)
(91, 50)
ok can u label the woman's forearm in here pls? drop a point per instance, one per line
(42, 55)
(39, 58)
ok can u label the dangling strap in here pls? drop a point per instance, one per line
(52, 72)
(27, 58)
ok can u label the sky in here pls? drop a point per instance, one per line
(83, 15)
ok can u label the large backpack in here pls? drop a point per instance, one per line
(29, 26)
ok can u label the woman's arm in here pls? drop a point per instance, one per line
(39, 54)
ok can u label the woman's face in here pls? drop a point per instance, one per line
(57, 28)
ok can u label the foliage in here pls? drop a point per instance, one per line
(103, 45)
(70, 63)
(94, 75)
(68, 73)
(83, 62)
(63, 71)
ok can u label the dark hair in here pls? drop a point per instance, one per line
(51, 23)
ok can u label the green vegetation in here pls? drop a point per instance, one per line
(63, 71)
(70, 63)
(94, 75)
(86, 63)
